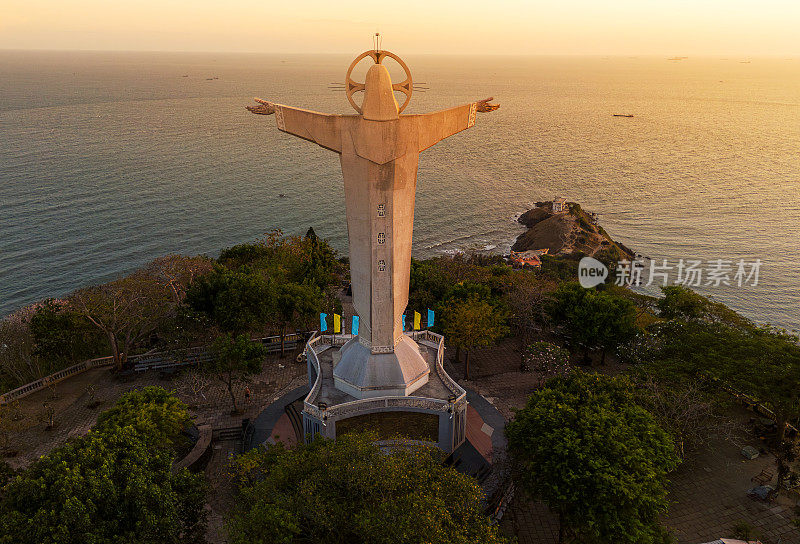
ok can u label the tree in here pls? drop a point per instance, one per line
(472, 323)
(351, 491)
(178, 272)
(685, 411)
(6, 473)
(126, 310)
(18, 363)
(296, 303)
(236, 300)
(591, 319)
(680, 302)
(105, 487)
(761, 363)
(233, 359)
(320, 266)
(595, 457)
(546, 358)
(527, 296)
(62, 336)
(156, 414)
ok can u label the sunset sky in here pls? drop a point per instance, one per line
(614, 27)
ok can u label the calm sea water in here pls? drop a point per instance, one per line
(108, 160)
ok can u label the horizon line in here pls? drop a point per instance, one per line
(786, 56)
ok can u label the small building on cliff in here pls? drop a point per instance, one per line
(531, 258)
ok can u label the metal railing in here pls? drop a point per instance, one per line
(361, 405)
(54, 378)
(141, 363)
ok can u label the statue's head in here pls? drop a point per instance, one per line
(379, 103)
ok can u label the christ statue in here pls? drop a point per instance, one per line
(379, 150)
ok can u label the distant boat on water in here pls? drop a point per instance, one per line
(677, 58)
(622, 114)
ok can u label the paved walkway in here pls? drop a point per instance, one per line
(708, 494)
(709, 498)
(76, 403)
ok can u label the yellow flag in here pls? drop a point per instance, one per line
(337, 323)
(417, 319)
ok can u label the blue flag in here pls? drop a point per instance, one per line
(404, 321)
(430, 318)
(355, 325)
(323, 325)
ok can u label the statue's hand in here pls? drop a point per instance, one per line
(264, 107)
(484, 106)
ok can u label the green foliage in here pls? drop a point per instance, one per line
(559, 268)
(350, 491)
(236, 300)
(106, 487)
(680, 302)
(6, 473)
(297, 303)
(761, 363)
(236, 354)
(157, 415)
(114, 485)
(472, 323)
(435, 281)
(234, 359)
(592, 319)
(610, 256)
(309, 259)
(593, 455)
(275, 281)
(62, 337)
(464, 291)
(429, 283)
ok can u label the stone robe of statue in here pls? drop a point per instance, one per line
(379, 151)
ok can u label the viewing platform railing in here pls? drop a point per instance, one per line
(144, 362)
(347, 409)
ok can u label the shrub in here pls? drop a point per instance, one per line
(351, 491)
(157, 415)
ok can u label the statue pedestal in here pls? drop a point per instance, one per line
(363, 374)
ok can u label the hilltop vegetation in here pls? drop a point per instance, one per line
(114, 484)
(571, 233)
(353, 491)
(681, 356)
(267, 287)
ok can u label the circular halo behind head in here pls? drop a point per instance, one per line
(352, 87)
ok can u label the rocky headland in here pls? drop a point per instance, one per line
(568, 233)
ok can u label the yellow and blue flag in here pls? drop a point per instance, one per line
(430, 318)
(323, 325)
(354, 329)
(417, 319)
(337, 323)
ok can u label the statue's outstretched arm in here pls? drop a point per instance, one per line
(321, 128)
(435, 127)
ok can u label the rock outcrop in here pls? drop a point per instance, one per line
(566, 233)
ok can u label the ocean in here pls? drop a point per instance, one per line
(108, 160)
